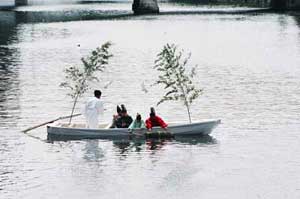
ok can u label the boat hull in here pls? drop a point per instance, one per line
(58, 132)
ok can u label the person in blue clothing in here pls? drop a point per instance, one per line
(138, 123)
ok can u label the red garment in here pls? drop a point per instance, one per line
(155, 121)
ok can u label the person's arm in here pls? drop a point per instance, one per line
(162, 123)
(143, 124)
(148, 124)
(130, 120)
(132, 125)
(127, 121)
(100, 108)
(118, 122)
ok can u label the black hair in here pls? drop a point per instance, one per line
(123, 109)
(138, 117)
(119, 110)
(97, 93)
(152, 112)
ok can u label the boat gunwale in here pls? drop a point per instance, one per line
(217, 121)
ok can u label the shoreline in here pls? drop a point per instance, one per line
(86, 15)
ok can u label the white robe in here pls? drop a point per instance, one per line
(92, 109)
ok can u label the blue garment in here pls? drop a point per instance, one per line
(137, 124)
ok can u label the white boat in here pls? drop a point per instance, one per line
(78, 131)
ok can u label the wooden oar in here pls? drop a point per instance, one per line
(51, 121)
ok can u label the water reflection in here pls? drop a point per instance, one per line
(283, 24)
(111, 10)
(92, 151)
(154, 144)
(63, 16)
(137, 145)
(9, 96)
(197, 140)
(297, 20)
(123, 146)
(9, 82)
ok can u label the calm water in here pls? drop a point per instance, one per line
(248, 66)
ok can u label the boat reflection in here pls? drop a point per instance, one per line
(137, 145)
(92, 151)
(194, 140)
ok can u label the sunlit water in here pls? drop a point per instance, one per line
(248, 66)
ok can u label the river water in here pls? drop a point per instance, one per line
(248, 66)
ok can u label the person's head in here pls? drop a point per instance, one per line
(138, 117)
(123, 107)
(119, 110)
(152, 112)
(123, 110)
(97, 94)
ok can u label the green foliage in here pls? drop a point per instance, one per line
(175, 77)
(77, 79)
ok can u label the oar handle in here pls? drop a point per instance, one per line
(37, 126)
(51, 121)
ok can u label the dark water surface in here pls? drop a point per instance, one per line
(248, 66)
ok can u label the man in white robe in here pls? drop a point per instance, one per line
(92, 109)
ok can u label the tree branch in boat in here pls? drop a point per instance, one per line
(176, 78)
(78, 78)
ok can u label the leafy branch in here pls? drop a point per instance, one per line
(77, 79)
(175, 78)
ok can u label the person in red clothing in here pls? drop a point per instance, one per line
(155, 120)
